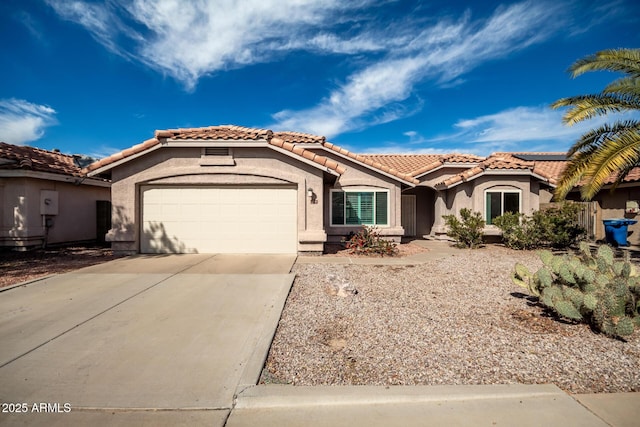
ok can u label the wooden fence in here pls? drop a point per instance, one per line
(587, 216)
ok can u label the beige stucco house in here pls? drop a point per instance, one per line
(45, 198)
(622, 202)
(237, 189)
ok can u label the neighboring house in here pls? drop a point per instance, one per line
(623, 202)
(46, 198)
(237, 189)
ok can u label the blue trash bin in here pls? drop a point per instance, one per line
(616, 231)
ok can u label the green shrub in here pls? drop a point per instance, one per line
(595, 289)
(466, 231)
(560, 225)
(556, 227)
(367, 241)
(519, 231)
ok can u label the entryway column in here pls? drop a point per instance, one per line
(440, 208)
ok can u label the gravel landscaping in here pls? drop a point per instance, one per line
(457, 320)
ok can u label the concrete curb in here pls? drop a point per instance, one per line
(467, 405)
(27, 282)
(287, 396)
(255, 362)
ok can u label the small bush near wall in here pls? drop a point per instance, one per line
(519, 231)
(466, 231)
(556, 227)
(367, 241)
(561, 225)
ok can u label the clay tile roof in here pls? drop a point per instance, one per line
(405, 163)
(36, 159)
(418, 164)
(551, 170)
(223, 132)
(372, 160)
(634, 175)
(299, 137)
(284, 140)
(462, 158)
(506, 161)
(426, 168)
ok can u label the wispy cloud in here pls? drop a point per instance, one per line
(190, 39)
(22, 122)
(32, 25)
(439, 54)
(540, 127)
(101, 20)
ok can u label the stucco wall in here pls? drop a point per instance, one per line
(471, 195)
(612, 205)
(439, 175)
(182, 166)
(361, 177)
(21, 223)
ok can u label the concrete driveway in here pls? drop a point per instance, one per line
(157, 340)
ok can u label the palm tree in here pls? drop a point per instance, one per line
(611, 150)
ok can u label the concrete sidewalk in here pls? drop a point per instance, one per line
(479, 405)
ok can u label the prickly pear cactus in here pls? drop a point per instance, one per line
(585, 287)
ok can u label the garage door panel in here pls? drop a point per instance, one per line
(219, 220)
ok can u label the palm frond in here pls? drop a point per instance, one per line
(593, 138)
(618, 154)
(629, 86)
(623, 60)
(610, 151)
(588, 150)
(588, 106)
(572, 174)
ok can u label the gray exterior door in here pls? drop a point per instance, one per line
(408, 214)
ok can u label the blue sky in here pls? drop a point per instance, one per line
(387, 76)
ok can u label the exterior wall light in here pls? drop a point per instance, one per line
(312, 196)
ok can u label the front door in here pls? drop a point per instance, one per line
(408, 215)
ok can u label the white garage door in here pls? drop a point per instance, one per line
(219, 220)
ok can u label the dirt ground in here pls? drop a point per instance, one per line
(18, 267)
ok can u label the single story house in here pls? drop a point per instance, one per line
(245, 190)
(622, 202)
(46, 198)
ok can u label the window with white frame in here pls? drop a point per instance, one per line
(499, 202)
(359, 207)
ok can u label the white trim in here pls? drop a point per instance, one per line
(501, 191)
(360, 190)
(76, 180)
